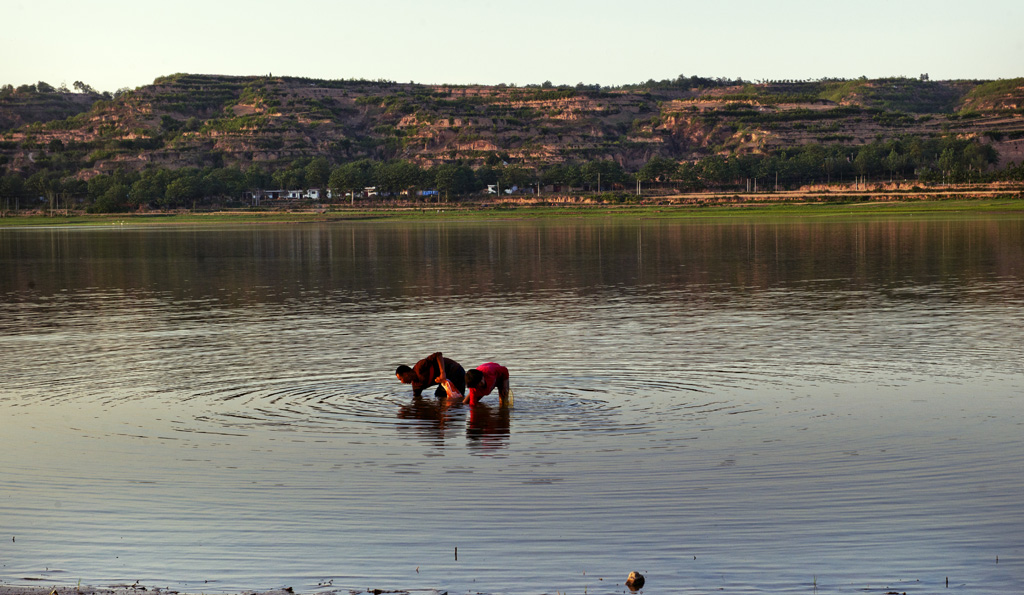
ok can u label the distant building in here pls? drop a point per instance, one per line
(257, 196)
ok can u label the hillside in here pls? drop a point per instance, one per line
(195, 121)
(27, 105)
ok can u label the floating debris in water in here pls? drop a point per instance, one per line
(635, 582)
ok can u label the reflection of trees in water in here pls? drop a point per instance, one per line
(278, 264)
(487, 427)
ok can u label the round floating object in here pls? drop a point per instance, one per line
(635, 582)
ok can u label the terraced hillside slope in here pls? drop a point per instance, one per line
(193, 121)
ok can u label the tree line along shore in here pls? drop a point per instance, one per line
(370, 184)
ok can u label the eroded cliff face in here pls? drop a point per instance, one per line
(196, 120)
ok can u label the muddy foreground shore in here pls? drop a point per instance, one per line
(142, 590)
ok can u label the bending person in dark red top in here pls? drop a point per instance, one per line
(484, 379)
(424, 374)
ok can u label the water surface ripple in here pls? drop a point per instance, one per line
(747, 407)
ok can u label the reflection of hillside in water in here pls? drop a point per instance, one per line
(342, 262)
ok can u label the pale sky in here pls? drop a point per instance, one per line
(112, 44)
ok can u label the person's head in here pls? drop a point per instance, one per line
(404, 373)
(474, 379)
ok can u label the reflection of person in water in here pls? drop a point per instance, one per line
(435, 414)
(488, 427)
(426, 371)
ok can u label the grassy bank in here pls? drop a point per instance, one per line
(450, 211)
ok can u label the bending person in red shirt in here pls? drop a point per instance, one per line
(484, 379)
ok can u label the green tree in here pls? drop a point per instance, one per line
(110, 193)
(977, 157)
(292, 178)
(450, 178)
(98, 184)
(84, 88)
(688, 175)
(894, 162)
(868, 160)
(384, 179)
(397, 175)
(184, 189)
(515, 175)
(657, 169)
(114, 199)
(486, 175)
(318, 173)
(47, 184)
(12, 190)
(352, 176)
(948, 163)
(811, 163)
(445, 179)
(150, 188)
(573, 175)
(256, 178)
(548, 174)
(224, 181)
(713, 171)
(600, 175)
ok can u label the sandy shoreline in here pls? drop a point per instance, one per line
(115, 590)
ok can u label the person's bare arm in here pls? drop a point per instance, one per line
(442, 379)
(440, 367)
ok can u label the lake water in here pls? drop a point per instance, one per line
(745, 407)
